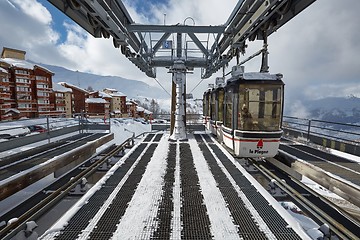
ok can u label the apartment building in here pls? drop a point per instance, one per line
(28, 91)
(4, 95)
(63, 99)
(117, 102)
(98, 104)
(131, 107)
(97, 107)
(44, 94)
(78, 97)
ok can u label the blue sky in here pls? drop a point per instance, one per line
(141, 6)
(317, 52)
(58, 19)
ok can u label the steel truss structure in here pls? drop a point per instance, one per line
(149, 47)
(250, 20)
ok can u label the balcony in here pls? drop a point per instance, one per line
(46, 81)
(24, 97)
(22, 72)
(23, 84)
(24, 101)
(5, 107)
(5, 95)
(45, 88)
(23, 90)
(43, 97)
(45, 107)
(60, 105)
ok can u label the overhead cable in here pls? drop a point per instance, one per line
(162, 87)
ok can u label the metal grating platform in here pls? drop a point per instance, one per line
(169, 190)
(158, 137)
(195, 221)
(273, 220)
(82, 218)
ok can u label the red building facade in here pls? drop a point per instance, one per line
(28, 90)
(4, 95)
(79, 95)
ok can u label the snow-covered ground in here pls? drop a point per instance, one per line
(345, 155)
(125, 128)
(122, 129)
(142, 209)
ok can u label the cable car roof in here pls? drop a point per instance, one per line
(256, 77)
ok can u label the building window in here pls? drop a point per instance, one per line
(42, 94)
(42, 86)
(24, 105)
(24, 72)
(43, 101)
(23, 89)
(23, 97)
(4, 79)
(41, 78)
(22, 80)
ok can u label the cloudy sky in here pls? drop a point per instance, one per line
(317, 52)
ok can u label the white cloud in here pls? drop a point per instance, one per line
(21, 28)
(297, 109)
(33, 9)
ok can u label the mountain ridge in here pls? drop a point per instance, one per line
(333, 109)
(131, 88)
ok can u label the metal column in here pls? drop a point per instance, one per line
(179, 78)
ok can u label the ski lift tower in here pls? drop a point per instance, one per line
(141, 44)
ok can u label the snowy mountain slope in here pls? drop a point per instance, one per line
(132, 88)
(334, 109)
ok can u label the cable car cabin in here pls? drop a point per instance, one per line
(253, 114)
(206, 106)
(217, 108)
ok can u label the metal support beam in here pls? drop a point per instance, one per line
(179, 78)
(199, 44)
(175, 28)
(264, 57)
(179, 45)
(159, 43)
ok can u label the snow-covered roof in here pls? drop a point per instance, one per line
(141, 109)
(3, 70)
(12, 110)
(104, 95)
(95, 100)
(113, 92)
(118, 94)
(60, 88)
(23, 64)
(256, 76)
(147, 111)
(110, 89)
(69, 85)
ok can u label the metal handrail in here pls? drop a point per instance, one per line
(309, 127)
